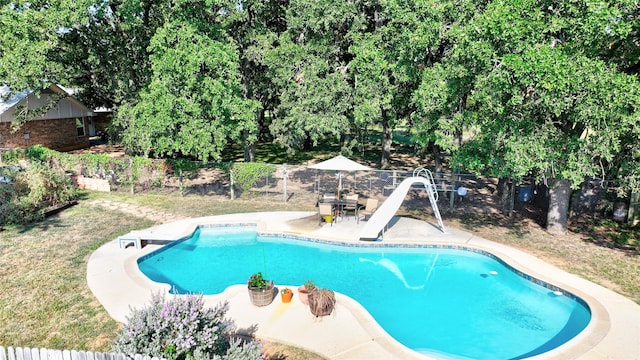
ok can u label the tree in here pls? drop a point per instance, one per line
(446, 78)
(546, 110)
(32, 49)
(387, 55)
(107, 56)
(310, 69)
(535, 100)
(193, 104)
(31, 41)
(255, 26)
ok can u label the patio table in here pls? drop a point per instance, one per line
(339, 205)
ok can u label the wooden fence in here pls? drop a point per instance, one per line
(23, 353)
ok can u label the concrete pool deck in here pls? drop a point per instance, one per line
(350, 332)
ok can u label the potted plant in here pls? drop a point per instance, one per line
(260, 290)
(286, 295)
(322, 302)
(304, 290)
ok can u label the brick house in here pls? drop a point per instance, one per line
(67, 125)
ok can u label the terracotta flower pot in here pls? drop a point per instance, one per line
(286, 295)
(303, 294)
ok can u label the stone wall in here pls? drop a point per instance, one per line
(91, 184)
(58, 134)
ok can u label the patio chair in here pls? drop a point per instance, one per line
(351, 205)
(369, 208)
(325, 213)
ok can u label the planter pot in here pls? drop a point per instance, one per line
(303, 294)
(286, 297)
(261, 297)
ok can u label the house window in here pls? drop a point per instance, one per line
(80, 126)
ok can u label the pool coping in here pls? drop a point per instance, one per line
(350, 332)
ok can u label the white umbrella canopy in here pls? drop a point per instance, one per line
(340, 163)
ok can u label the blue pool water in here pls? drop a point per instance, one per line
(450, 302)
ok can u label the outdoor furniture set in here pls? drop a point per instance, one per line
(330, 209)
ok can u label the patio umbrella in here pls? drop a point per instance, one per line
(340, 163)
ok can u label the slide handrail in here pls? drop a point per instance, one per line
(429, 176)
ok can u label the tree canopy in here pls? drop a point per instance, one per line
(503, 87)
(193, 103)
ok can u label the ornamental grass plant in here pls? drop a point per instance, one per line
(183, 328)
(322, 302)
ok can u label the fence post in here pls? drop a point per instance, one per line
(512, 196)
(132, 177)
(633, 206)
(233, 194)
(284, 178)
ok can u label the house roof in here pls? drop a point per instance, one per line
(72, 107)
(7, 103)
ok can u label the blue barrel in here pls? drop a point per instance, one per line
(525, 193)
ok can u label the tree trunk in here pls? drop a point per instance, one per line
(231, 185)
(506, 193)
(437, 159)
(458, 137)
(557, 216)
(249, 149)
(387, 138)
(308, 144)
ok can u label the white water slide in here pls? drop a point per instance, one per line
(389, 207)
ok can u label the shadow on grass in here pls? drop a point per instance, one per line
(609, 234)
(515, 225)
(49, 221)
(604, 233)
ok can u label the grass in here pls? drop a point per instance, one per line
(271, 153)
(45, 301)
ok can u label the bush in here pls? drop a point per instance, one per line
(245, 175)
(183, 328)
(32, 192)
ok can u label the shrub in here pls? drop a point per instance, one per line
(183, 328)
(245, 175)
(32, 192)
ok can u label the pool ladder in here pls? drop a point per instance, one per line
(432, 192)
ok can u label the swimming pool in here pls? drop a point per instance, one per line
(454, 302)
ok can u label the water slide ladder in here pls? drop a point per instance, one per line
(430, 186)
(380, 219)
